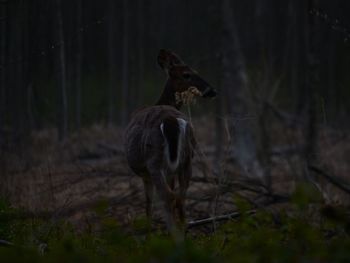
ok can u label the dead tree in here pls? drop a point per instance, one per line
(242, 117)
(112, 61)
(79, 63)
(61, 78)
(125, 63)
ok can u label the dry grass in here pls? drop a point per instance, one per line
(73, 176)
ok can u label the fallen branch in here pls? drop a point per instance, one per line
(226, 217)
(5, 243)
(243, 184)
(289, 119)
(332, 179)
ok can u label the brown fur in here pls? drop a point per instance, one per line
(144, 137)
(145, 154)
(145, 143)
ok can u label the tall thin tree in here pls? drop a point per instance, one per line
(140, 49)
(79, 63)
(3, 53)
(125, 64)
(60, 72)
(313, 80)
(112, 62)
(242, 115)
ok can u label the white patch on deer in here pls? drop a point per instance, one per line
(195, 91)
(182, 130)
(187, 97)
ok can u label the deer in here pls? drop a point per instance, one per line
(160, 142)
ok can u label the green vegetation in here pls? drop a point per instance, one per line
(305, 232)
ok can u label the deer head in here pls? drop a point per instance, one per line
(184, 82)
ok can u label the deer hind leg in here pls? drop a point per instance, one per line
(166, 195)
(184, 179)
(148, 185)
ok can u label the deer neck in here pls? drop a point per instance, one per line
(168, 96)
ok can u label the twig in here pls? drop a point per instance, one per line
(332, 179)
(6, 243)
(316, 184)
(284, 116)
(217, 218)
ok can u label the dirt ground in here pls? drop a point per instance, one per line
(73, 177)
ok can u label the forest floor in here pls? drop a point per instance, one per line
(77, 201)
(71, 179)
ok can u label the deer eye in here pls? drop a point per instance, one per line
(186, 76)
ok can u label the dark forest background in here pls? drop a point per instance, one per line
(68, 64)
(275, 139)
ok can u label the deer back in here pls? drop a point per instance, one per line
(146, 142)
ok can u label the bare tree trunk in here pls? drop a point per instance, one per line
(62, 122)
(243, 119)
(28, 121)
(79, 63)
(264, 11)
(219, 128)
(125, 65)
(289, 22)
(4, 186)
(299, 55)
(140, 51)
(313, 81)
(112, 60)
(18, 117)
(3, 86)
(294, 60)
(332, 90)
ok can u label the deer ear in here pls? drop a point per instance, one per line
(167, 59)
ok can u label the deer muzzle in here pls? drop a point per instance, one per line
(209, 92)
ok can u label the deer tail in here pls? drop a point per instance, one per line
(173, 130)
